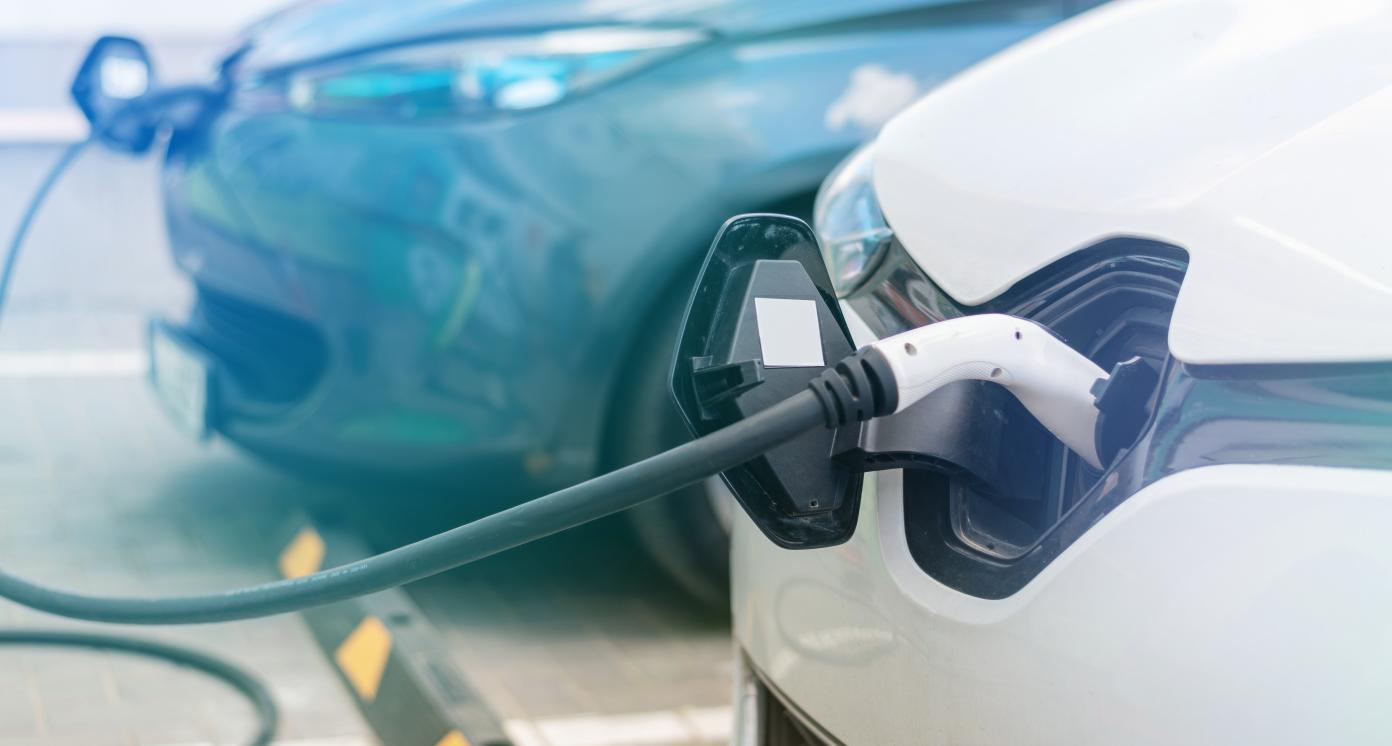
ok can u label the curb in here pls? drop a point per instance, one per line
(388, 655)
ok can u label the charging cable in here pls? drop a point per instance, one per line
(26, 220)
(247, 685)
(878, 380)
(618, 490)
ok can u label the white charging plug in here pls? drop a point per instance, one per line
(1051, 379)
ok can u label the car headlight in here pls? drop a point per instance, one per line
(848, 221)
(471, 76)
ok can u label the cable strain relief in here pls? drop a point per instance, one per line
(859, 387)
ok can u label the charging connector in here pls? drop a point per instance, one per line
(1053, 381)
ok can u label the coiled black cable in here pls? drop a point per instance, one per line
(249, 686)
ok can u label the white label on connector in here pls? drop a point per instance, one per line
(789, 335)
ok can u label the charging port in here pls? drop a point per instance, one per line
(990, 483)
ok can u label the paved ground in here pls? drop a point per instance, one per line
(99, 493)
(572, 641)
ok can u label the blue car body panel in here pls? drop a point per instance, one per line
(317, 30)
(436, 296)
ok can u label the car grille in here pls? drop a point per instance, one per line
(780, 724)
(271, 357)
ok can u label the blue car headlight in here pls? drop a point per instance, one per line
(848, 221)
(463, 77)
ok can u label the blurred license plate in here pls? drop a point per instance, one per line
(181, 374)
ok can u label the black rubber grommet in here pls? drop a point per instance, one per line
(857, 389)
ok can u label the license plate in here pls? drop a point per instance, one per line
(182, 375)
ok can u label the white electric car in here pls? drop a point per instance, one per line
(1205, 186)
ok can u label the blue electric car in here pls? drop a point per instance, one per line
(433, 237)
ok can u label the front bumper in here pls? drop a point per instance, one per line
(359, 388)
(372, 341)
(765, 716)
(1206, 609)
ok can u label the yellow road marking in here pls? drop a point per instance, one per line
(453, 738)
(304, 555)
(363, 656)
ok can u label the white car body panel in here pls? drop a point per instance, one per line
(1227, 604)
(1234, 603)
(1254, 134)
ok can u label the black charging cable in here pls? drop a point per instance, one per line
(255, 692)
(26, 219)
(618, 490)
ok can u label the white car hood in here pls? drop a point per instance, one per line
(1255, 135)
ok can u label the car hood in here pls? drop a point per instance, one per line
(321, 28)
(1254, 135)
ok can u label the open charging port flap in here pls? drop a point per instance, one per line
(763, 321)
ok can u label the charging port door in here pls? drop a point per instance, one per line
(762, 322)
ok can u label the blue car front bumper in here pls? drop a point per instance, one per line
(381, 338)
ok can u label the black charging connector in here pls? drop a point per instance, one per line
(857, 388)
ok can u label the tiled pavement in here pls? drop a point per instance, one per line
(582, 625)
(97, 495)
(576, 640)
